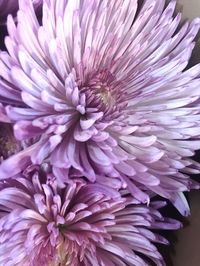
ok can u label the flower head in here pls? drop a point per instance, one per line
(102, 89)
(80, 224)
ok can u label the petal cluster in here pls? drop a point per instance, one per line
(80, 224)
(99, 113)
(101, 87)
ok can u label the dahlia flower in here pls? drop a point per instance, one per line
(101, 88)
(81, 224)
(11, 7)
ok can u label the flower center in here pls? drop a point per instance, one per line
(103, 93)
(61, 256)
(101, 90)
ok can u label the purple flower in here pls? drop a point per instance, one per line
(101, 88)
(42, 224)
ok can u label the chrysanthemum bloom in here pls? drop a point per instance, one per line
(11, 7)
(80, 224)
(101, 87)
